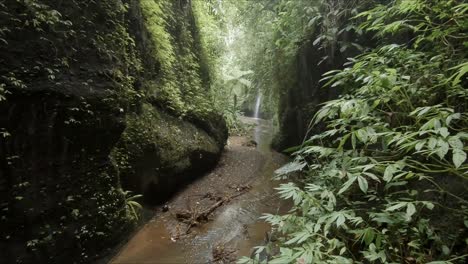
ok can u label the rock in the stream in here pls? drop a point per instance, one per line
(250, 143)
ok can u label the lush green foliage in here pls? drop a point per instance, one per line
(278, 36)
(224, 39)
(180, 86)
(392, 158)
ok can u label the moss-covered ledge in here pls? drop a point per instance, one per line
(158, 153)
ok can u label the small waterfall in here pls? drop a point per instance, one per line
(257, 132)
(257, 105)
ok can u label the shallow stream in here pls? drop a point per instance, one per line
(235, 225)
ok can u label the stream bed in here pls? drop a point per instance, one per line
(234, 227)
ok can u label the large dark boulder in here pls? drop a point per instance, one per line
(159, 153)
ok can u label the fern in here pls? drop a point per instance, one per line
(132, 205)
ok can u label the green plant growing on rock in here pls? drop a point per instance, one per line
(183, 82)
(165, 89)
(132, 205)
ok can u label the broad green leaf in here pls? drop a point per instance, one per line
(432, 143)
(363, 185)
(410, 210)
(372, 176)
(317, 227)
(462, 70)
(340, 220)
(443, 131)
(321, 114)
(428, 125)
(420, 145)
(410, 175)
(443, 148)
(463, 135)
(342, 250)
(452, 117)
(347, 184)
(362, 135)
(298, 238)
(445, 250)
(290, 167)
(388, 174)
(368, 236)
(429, 205)
(455, 142)
(459, 157)
(424, 110)
(396, 206)
(343, 141)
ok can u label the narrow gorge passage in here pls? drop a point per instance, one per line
(233, 229)
(124, 136)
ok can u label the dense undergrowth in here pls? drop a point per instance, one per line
(386, 179)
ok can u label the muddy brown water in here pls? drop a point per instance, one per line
(235, 225)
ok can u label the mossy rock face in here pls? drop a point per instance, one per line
(76, 121)
(213, 124)
(60, 192)
(172, 134)
(294, 101)
(158, 153)
(67, 66)
(302, 93)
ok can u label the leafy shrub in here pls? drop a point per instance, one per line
(392, 159)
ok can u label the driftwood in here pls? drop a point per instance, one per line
(194, 217)
(223, 254)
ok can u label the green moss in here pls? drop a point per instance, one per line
(153, 130)
(156, 146)
(179, 87)
(175, 121)
(156, 15)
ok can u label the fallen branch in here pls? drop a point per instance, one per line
(223, 254)
(193, 218)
